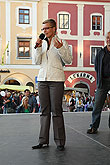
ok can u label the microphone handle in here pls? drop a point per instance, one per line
(36, 45)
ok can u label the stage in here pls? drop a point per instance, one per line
(19, 132)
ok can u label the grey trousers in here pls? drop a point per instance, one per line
(100, 97)
(51, 95)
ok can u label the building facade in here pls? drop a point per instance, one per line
(83, 24)
(18, 33)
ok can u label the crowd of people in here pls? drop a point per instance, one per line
(27, 102)
(18, 102)
(83, 103)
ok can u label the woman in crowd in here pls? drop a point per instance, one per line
(24, 107)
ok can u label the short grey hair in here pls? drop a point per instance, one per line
(52, 23)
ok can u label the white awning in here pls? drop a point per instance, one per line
(84, 90)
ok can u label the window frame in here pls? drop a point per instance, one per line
(93, 46)
(96, 22)
(64, 14)
(24, 26)
(20, 39)
(99, 31)
(24, 16)
(60, 30)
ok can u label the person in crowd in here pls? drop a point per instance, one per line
(89, 105)
(72, 104)
(24, 106)
(20, 97)
(34, 94)
(51, 54)
(79, 105)
(102, 67)
(38, 102)
(83, 98)
(32, 100)
(71, 95)
(14, 103)
(17, 98)
(1, 103)
(7, 103)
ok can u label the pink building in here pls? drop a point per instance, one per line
(84, 25)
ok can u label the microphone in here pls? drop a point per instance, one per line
(41, 36)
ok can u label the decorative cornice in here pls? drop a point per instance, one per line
(26, 1)
(91, 2)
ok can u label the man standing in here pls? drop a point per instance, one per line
(51, 54)
(102, 67)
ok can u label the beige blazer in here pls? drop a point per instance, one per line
(50, 61)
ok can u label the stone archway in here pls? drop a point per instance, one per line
(31, 85)
(19, 78)
(12, 82)
(82, 87)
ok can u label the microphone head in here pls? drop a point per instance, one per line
(42, 36)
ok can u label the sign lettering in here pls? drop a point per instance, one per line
(81, 75)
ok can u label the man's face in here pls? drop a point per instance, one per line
(8, 95)
(49, 31)
(27, 93)
(108, 40)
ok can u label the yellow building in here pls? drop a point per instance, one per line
(18, 32)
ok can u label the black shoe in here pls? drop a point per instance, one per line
(60, 148)
(39, 146)
(92, 131)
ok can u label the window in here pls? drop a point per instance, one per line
(94, 51)
(63, 24)
(96, 22)
(23, 49)
(63, 21)
(24, 17)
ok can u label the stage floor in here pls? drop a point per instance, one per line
(19, 132)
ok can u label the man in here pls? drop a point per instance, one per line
(32, 100)
(102, 67)
(7, 103)
(50, 56)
